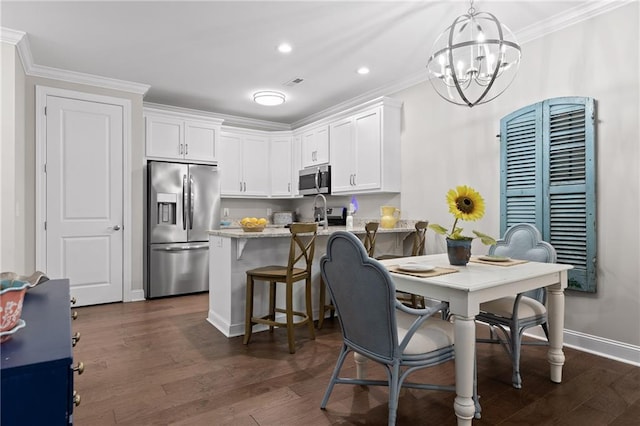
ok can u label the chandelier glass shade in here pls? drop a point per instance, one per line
(474, 60)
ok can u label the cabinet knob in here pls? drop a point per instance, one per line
(73, 300)
(76, 398)
(79, 368)
(74, 315)
(75, 338)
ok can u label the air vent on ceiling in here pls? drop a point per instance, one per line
(294, 81)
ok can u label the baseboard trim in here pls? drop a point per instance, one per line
(607, 348)
(136, 296)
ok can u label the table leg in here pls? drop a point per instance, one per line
(361, 365)
(465, 335)
(555, 317)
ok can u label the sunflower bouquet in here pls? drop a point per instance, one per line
(465, 203)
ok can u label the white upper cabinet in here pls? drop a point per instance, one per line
(365, 150)
(244, 164)
(180, 136)
(315, 146)
(282, 172)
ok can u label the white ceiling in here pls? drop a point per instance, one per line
(212, 55)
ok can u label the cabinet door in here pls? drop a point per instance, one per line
(367, 151)
(322, 145)
(315, 147)
(200, 141)
(342, 156)
(230, 163)
(164, 137)
(281, 167)
(255, 169)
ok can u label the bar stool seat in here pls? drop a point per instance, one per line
(303, 238)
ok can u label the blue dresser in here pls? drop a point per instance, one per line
(37, 374)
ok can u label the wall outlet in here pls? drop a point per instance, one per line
(226, 212)
(268, 212)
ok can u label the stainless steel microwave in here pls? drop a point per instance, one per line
(315, 180)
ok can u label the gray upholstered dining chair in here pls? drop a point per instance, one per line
(514, 314)
(400, 338)
(371, 231)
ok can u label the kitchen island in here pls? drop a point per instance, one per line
(232, 252)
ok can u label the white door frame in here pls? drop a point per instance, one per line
(41, 189)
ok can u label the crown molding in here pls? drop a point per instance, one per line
(228, 120)
(21, 41)
(572, 16)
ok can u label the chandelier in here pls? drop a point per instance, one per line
(474, 60)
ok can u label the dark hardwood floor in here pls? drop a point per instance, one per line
(160, 363)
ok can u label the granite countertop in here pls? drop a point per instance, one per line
(272, 231)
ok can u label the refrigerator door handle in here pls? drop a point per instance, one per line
(191, 202)
(181, 248)
(184, 202)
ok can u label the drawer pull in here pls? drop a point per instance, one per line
(76, 398)
(74, 315)
(75, 339)
(79, 368)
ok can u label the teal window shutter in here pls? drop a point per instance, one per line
(548, 179)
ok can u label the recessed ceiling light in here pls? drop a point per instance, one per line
(363, 70)
(268, 98)
(284, 48)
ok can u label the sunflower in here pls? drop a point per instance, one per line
(465, 203)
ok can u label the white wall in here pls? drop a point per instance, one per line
(15, 230)
(444, 145)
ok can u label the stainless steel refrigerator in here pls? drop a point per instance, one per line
(183, 204)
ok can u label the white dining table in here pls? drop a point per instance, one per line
(474, 284)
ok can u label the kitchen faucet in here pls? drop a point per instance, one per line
(324, 209)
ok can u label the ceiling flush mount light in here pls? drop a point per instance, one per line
(284, 48)
(268, 98)
(474, 60)
(363, 70)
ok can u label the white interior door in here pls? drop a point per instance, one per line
(84, 197)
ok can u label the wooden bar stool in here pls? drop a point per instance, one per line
(303, 239)
(371, 229)
(413, 300)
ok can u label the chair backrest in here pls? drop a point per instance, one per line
(524, 241)
(419, 238)
(302, 247)
(370, 237)
(364, 296)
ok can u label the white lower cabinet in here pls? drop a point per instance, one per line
(244, 164)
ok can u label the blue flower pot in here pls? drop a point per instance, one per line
(459, 251)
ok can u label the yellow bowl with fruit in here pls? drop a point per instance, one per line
(253, 224)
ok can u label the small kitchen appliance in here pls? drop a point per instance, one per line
(337, 216)
(315, 180)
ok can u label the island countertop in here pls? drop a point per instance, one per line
(281, 231)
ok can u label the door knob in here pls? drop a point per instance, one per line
(116, 228)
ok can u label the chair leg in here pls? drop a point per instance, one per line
(248, 310)
(289, 313)
(322, 303)
(308, 302)
(394, 393)
(343, 354)
(516, 339)
(272, 303)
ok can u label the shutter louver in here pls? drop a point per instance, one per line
(567, 134)
(548, 179)
(520, 189)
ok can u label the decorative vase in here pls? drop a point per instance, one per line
(459, 251)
